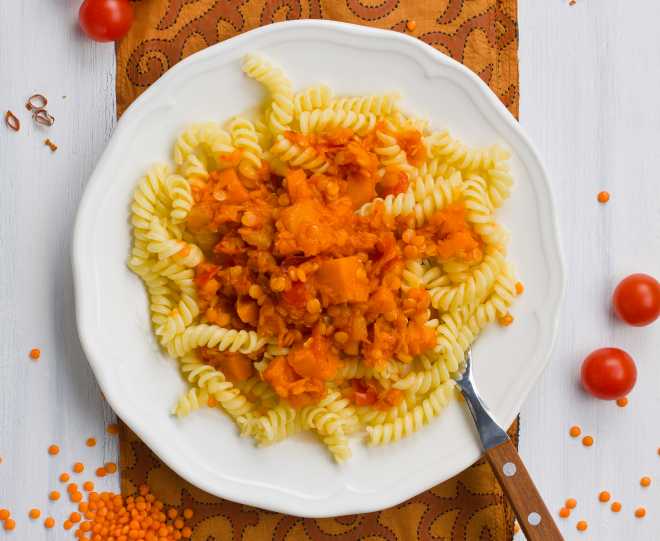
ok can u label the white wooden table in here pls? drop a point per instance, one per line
(590, 83)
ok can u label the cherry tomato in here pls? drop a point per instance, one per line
(608, 373)
(636, 299)
(106, 20)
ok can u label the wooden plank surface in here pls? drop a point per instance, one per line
(590, 76)
(56, 399)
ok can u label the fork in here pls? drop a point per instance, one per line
(533, 515)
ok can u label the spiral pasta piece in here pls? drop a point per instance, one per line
(500, 182)
(280, 89)
(436, 167)
(178, 189)
(277, 424)
(395, 205)
(313, 97)
(320, 120)
(412, 421)
(471, 291)
(480, 211)
(424, 274)
(178, 319)
(245, 137)
(150, 199)
(433, 196)
(392, 155)
(213, 382)
(298, 157)
(213, 336)
(423, 381)
(454, 152)
(190, 401)
(381, 105)
(163, 245)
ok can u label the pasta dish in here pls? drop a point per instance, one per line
(322, 265)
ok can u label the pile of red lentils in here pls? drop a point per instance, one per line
(106, 516)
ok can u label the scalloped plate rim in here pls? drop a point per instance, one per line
(346, 501)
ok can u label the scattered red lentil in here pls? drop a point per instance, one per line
(587, 441)
(188, 513)
(49, 522)
(91, 442)
(622, 402)
(75, 517)
(110, 467)
(88, 486)
(520, 288)
(506, 320)
(67, 525)
(64, 477)
(78, 467)
(212, 402)
(603, 197)
(411, 25)
(604, 496)
(564, 512)
(172, 513)
(71, 488)
(34, 513)
(35, 353)
(616, 507)
(10, 524)
(113, 429)
(640, 512)
(582, 525)
(575, 431)
(101, 472)
(645, 481)
(54, 495)
(4, 514)
(53, 449)
(76, 497)
(571, 503)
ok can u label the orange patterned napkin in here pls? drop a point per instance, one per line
(482, 34)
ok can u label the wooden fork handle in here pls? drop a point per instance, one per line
(533, 516)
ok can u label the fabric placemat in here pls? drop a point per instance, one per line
(483, 35)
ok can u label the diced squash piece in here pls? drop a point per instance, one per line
(234, 189)
(314, 359)
(343, 280)
(360, 191)
(235, 366)
(297, 186)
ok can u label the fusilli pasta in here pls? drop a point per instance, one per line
(229, 241)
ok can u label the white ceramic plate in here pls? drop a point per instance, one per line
(141, 383)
